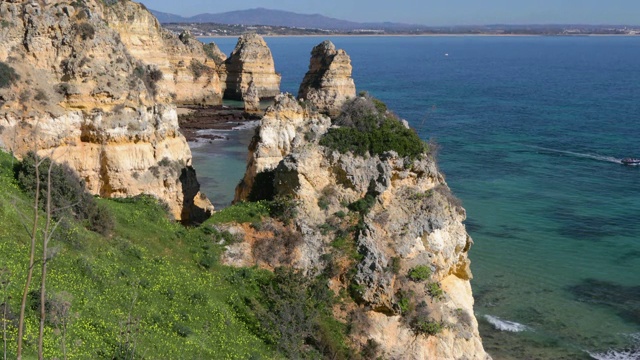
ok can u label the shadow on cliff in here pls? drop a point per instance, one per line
(192, 214)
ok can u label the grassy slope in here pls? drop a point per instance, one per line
(144, 289)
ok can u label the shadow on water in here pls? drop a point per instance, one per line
(624, 300)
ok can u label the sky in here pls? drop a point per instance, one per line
(431, 12)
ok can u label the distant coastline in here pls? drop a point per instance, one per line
(425, 35)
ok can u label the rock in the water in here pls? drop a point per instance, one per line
(252, 99)
(328, 83)
(83, 99)
(250, 61)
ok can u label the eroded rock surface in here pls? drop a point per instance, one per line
(189, 68)
(328, 83)
(250, 61)
(83, 99)
(368, 222)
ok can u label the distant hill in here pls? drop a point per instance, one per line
(262, 16)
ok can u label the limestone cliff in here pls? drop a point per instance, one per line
(384, 228)
(189, 68)
(250, 61)
(280, 131)
(328, 83)
(81, 98)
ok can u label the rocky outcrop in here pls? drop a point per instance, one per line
(384, 228)
(189, 68)
(250, 61)
(252, 99)
(83, 99)
(328, 83)
(281, 130)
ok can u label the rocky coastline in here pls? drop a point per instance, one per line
(97, 86)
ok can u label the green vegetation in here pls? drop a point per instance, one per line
(420, 273)
(8, 75)
(366, 127)
(154, 289)
(423, 325)
(435, 290)
(394, 266)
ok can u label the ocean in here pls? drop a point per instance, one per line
(532, 130)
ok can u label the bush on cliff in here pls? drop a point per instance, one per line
(68, 195)
(366, 127)
(8, 75)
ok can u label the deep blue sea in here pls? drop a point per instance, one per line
(531, 132)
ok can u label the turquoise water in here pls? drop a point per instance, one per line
(531, 130)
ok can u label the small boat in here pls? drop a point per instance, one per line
(630, 161)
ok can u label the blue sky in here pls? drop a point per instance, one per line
(432, 12)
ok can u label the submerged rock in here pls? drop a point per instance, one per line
(250, 61)
(328, 83)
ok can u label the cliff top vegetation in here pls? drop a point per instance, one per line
(366, 127)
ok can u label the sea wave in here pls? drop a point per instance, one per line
(505, 325)
(248, 125)
(627, 354)
(582, 155)
(212, 132)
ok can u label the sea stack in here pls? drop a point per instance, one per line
(250, 61)
(328, 83)
(79, 96)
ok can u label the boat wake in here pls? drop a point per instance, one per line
(627, 354)
(505, 325)
(581, 155)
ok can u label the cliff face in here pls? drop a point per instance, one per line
(250, 61)
(190, 74)
(328, 83)
(81, 98)
(386, 229)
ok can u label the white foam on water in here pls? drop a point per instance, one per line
(212, 132)
(582, 155)
(195, 144)
(505, 325)
(627, 354)
(248, 125)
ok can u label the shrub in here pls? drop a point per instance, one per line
(68, 195)
(85, 30)
(424, 325)
(182, 329)
(293, 312)
(364, 205)
(367, 128)
(420, 273)
(101, 220)
(435, 290)
(283, 208)
(395, 265)
(8, 75)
